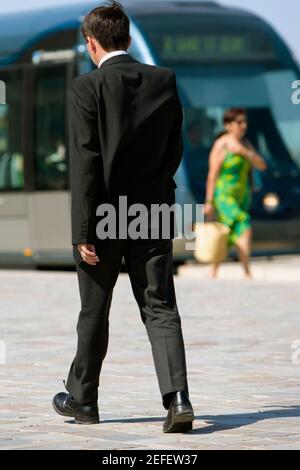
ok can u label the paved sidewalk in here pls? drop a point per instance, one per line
(244, 375)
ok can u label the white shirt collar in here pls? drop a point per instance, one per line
(109, 55)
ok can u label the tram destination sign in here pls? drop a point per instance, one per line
(213, 47)
(211, 39)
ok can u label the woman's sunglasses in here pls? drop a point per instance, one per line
(241, 121)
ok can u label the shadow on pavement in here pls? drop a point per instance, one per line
(219, 422)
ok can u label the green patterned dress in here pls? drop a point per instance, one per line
(232, 197)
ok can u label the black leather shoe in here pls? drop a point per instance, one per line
(180, 415)
(65, 405)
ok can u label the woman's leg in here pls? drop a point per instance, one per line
(214, 270)
(243, 245)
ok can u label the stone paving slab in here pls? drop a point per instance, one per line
(244, 375)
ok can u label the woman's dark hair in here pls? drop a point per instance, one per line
(231, 114)
(109, 25)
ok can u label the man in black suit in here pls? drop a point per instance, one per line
(125, 141)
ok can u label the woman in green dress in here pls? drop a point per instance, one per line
(228, 192)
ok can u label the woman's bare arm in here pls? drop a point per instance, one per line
(216, 158)
(248, 151)
(257, 160)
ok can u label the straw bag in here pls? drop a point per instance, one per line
(211, 244)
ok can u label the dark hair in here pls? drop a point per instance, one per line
(109, 25)
(231, 114)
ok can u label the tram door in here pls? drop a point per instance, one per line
(14, 205)
(51, 200)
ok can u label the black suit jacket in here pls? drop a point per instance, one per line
(125, 123)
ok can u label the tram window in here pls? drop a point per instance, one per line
(286, 115)
(199, 133)
(50, 147)
(11, 158)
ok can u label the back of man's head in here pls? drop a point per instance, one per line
(109, 25)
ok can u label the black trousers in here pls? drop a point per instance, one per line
(150, 268)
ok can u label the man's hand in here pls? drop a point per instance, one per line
(88, 253)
